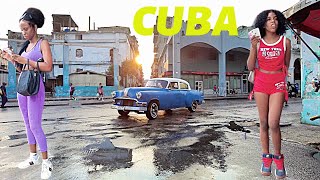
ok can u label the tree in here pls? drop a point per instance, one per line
(133, 69)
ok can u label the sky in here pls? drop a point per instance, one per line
(121, 13)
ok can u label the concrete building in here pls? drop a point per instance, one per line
(92, 56)
(83, 58)
(205, 61)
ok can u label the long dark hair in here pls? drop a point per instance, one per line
(261, 20)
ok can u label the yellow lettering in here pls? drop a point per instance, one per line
(226, 12)
(138, 20)
(202, 22)
(162, 21)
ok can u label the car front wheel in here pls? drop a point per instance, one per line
(193, 106)
(123, 113)
(152, 110)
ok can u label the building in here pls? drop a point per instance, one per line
(83, 58)
(205, 61)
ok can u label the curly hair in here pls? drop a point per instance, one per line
(34, 16)
(261, 20)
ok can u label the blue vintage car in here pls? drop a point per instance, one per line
(158, 94)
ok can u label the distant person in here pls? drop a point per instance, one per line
(31, 107)
(272, 52)
(215, 89)
(3, 93)
(100, 92)
(71, 91)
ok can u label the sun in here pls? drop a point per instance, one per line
(138, 59)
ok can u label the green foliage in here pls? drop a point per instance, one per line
(132, 68)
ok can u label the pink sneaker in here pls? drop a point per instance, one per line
(280, 170)
(266, 164)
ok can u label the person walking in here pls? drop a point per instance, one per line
(3, 93)
(71, 91)
(272, 51)
(100, 92)
(31, 107)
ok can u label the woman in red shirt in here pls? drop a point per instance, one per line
(272, 52)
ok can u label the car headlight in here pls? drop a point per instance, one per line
(113, 94)
(139, 95)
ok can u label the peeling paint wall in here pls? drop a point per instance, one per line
(310, 69)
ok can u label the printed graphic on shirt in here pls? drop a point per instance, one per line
(271, 53)
(280, 86)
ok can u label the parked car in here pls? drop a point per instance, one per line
(158, 94)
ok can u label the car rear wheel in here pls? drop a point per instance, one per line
(123, 113)
(193, 107)
(152, 110)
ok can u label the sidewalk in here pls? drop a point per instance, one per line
(65, 101)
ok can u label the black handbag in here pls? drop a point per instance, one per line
(29, 81)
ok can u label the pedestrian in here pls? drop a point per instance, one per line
(100, 92)
(215, 89)
(272, 52)
(31, 107)
(71, 91)
(3, 93)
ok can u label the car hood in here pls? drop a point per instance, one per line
(131, 92)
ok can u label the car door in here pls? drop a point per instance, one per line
(175, 96)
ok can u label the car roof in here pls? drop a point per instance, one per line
(171, 80)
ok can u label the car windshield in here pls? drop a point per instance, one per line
(157, 83)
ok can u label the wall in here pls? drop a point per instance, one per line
(310, 71)
(87, 79)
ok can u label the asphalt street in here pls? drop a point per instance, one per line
(219, 141)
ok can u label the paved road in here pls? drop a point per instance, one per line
(93, 142)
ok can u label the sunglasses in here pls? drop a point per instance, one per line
(26, 16)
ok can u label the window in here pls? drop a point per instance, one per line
(79, 53)
(174, 85)
(183, 85)
(60, 65)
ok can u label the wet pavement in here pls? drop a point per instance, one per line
(219, 141)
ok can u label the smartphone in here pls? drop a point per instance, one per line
(7, 50)
(254, 32)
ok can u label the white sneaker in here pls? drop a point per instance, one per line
(46, 169)
(32, 160)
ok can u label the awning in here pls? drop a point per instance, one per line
(305, 16)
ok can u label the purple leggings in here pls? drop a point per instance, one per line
(31, 108)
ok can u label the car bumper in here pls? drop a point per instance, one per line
(129, 108)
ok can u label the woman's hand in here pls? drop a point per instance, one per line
(19, 59)
(254, 41)
(6, 54)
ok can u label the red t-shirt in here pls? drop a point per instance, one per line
(271, 56)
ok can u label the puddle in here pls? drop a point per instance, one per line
(106, 157)
(203, 152)
(316, 156)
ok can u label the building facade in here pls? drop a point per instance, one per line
(83, 58)
(205, 61)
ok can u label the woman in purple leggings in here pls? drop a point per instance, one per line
(31, 107)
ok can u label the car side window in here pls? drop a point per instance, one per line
(173, 85)
(183, 85)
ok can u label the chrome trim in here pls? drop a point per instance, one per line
(129, 108)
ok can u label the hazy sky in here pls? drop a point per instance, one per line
(121, 13)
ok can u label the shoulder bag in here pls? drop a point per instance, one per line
(29, 81)
(251, 77)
